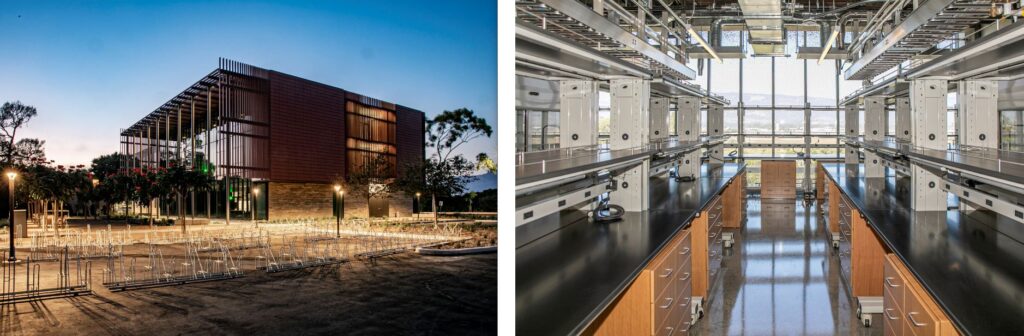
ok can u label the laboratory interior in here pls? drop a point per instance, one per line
(769, 167)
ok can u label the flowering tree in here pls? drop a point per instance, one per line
(146, 188)
(177, 179)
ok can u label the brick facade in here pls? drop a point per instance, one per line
(299, 200)
(314, 200)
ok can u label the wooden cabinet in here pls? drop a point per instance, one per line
(834, 213)
(866, 254)
(707, 246)
(734, 201)
(658, 300)
(819, 182)
(778, 179)
(908, 309)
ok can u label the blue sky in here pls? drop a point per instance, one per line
(93, 67)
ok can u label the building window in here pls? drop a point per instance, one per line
(371, 134)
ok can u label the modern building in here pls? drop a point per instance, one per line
(276, 143)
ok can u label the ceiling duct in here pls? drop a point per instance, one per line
(764, 23)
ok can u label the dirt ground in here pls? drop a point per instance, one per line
(404, 294)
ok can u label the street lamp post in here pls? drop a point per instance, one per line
(419, 207)
(255, 203)
(340, 209)
(10, 225)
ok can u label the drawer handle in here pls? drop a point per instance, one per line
(685, 302)
(712, 235)
(891, 317)
(888, 282)
(686, 277)
(910, 315)
(719, 207)
(669, 304)
(668, 271)
(670, 330)
(686, 250)
(846, 233)
(713, 216)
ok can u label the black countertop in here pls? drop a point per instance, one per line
(986, 161)
(538, 166)
(565, 278)
(972, 264)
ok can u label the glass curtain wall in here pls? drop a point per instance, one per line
(780, 107)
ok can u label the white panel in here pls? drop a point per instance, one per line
(928, 113)
(689, 164)
(633, 193)
(927, 193)
(688, 118)
(630, 100)
(873, 165)
(578, 117)
(874, 118)
(716, 120)
(979, 118)
(852, 120)
(716, 153)
(851, 155)
(903, 118)
(659, 118)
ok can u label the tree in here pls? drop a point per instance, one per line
(13, 115)
(484, 162)
(445, 174)
(451, 129)
(29, 151)
(372, 179)
(436, 178)
(146, 188)
(178, 179)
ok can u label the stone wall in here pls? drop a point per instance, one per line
(314, 200)
(299, 200)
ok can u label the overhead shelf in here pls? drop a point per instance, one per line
(565, 164)
(997, 55)
(575, 21)
(932, 22)
(889, 87)
(988, 164)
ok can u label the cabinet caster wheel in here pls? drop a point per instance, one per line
(835, 245)
(867, 321)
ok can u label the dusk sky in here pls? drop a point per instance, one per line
(93, 67)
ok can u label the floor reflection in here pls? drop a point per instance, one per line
(777, 279)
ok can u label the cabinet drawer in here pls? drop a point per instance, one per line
(663, 307)
(684, 253)
(664, 272)
(893, 328)
(920, 320)
(892, 315)
(683, 279)
(894, 283)
(684, 300)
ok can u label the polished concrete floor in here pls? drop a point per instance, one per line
(777, 279)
